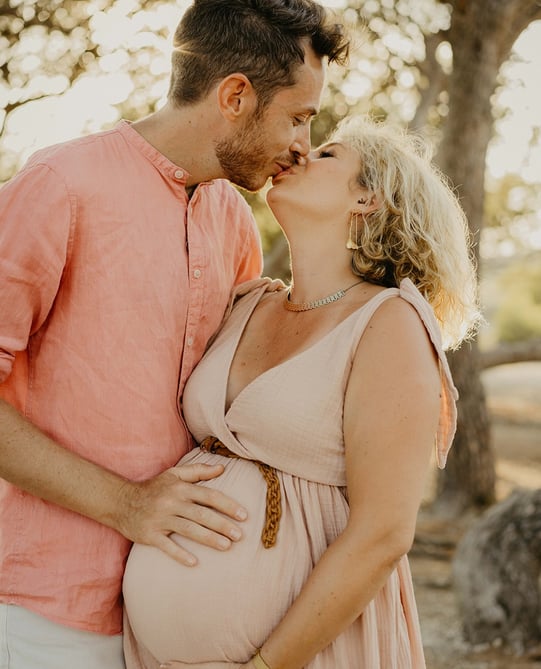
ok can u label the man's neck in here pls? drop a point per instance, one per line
(184, 136)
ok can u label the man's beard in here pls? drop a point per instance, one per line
(243, 158)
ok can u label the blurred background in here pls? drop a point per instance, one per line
(464, 73)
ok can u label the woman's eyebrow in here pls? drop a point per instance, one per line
(331, 145)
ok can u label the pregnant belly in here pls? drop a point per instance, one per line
(227, 605)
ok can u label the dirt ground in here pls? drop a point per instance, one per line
(514, 401)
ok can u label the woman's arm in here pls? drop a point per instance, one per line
(390, 420)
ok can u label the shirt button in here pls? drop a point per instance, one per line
(197, 273)
(190, 341)
(179, 174)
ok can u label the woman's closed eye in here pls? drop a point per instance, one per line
(330, 150)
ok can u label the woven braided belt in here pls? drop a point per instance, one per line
(273, 509)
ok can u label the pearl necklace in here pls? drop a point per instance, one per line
(306, 306)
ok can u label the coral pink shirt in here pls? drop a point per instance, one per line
(111, 283)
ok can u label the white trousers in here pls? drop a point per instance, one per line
(30, 641)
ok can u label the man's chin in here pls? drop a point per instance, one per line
(253, 185)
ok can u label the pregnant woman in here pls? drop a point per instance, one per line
(323, 402)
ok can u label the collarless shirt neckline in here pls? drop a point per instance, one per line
(165, 166)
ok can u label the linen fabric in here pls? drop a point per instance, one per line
(30, 641)
(111, 283)
(291, 418)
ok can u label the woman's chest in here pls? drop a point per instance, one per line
(270, 339)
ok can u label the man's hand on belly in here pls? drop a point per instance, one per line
(150, 512)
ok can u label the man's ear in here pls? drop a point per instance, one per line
(236, 97)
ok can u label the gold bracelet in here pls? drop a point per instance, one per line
(259, 662)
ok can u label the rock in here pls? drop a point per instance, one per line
(496, 572)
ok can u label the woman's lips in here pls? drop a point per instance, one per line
(283, 172)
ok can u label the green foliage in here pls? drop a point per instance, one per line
(46, 45)
(509, 198)
(519, 314)
(118, 52)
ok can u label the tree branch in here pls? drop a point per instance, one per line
(524, 351)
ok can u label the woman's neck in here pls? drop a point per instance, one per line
(318, 273)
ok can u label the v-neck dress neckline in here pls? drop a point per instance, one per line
(309, 350)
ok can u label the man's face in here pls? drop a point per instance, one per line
(273, 140)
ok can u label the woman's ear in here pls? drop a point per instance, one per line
(236, 97)
(368, 201)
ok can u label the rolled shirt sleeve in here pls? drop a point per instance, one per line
(36, 213)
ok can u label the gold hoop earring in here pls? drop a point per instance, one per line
(351, 243)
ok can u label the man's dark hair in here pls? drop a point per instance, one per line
(263, 39)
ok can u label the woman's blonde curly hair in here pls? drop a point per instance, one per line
(420, 231)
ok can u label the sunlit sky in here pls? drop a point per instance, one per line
(88, 105)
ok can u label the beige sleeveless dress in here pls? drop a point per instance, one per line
(291, 418)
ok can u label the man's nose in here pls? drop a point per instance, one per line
(304, 160)
(301, 143)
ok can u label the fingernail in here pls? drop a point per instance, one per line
(235, 534)
(224, 543)
(191, 561)
(241, 514)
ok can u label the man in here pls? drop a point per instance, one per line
(118, 253)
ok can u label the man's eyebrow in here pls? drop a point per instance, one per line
(308, 111)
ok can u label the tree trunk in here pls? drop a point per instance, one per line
(496, 574)
(433, 80)
(481, 35)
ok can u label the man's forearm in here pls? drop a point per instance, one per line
(148, 512)
(35, 463)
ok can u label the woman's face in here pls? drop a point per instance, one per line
(325, 187)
